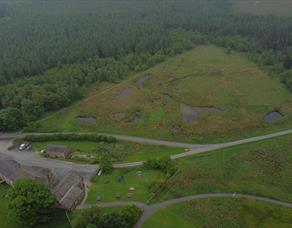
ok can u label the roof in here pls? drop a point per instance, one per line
(58, 149)
(69, 189)
(12, 170)
(8, 166)
(69, 199)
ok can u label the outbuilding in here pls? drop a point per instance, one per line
(57, 151)
(70, 191)
(11, 171)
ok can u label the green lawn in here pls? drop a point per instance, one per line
(121, 151)
(262, 168)
(221, 213)
(141, 183)
(204, 77)
(7, 220)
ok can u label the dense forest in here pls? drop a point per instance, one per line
(52, 50)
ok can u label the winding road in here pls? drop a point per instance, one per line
(149, 210)
(62, 167)
(58, 166)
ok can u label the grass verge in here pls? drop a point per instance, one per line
(221, 213)
(262, 168)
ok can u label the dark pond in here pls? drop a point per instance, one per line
(273, 116)
(141, 80)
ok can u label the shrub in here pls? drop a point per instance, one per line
(70, 137)
(106, 163)
(112, 220)
(131, 215)
(91, 218)
(166, 165)
(86, 218)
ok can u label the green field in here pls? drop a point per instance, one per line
(233, 93)
(7, 220)
(141, 183)
(221, 213)
(262, 168)
(264, 7)
(120, 151)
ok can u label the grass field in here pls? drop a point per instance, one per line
(141, 183)
(203, 95)
(120, 151)
(221, 213)
(7, 220)
(262, 168)
(265, 7)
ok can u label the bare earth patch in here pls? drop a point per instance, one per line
(87, 119)
(126, 93)
(190, 114)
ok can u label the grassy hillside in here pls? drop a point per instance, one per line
(197, 96)
(261, 168)
(265, 7)
(221, 213)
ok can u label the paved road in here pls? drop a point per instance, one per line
(60, 166)
(199, 148)
(57, 166)
(193, 148)
(151, 209)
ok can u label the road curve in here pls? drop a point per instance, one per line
(193, 149)
(151, 209)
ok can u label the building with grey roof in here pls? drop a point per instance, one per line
(11, 171)
(70, 190)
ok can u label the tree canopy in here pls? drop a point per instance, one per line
(31, 202)
(51, 51)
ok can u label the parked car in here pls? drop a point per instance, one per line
(24, 146)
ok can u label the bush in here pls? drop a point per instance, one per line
(106, 163)
(86, 218)
(70, 137)
(91, 218)
(131, 215)
(166, 165)
(126, 218)
(112, 220)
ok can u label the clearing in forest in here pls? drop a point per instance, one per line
(202, 95)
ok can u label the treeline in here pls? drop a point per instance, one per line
(70, 137)
(52, 50)
(39, 35)
(60, 86)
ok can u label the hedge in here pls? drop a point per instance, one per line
(69, 137)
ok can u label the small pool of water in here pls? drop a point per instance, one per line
(273, 116)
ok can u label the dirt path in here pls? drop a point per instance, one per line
(151, 209)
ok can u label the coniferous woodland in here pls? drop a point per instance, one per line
(52, 50)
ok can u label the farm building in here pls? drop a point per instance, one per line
(11, 171)
(57, 151)
(70, 191)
